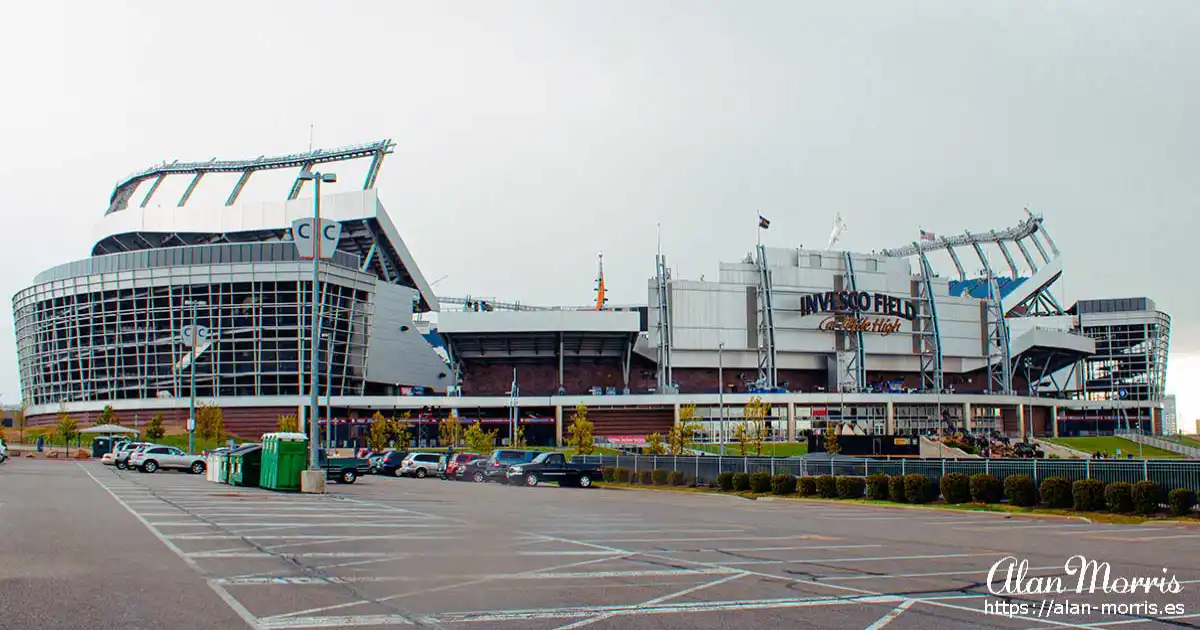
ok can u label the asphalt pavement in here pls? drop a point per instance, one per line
(391, 552)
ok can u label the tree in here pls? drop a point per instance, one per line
(741, 435)
(400, 430)
(518, 440)
(756, 420)
(155, 430)
(682, 436)
(289, 424)
(580, 431)
(108, 416)
(66, 429)
(210, 422)
(450, 431)
(478, 440)
(19, 422)
(654, 444)
(380, 432)
(831, 441)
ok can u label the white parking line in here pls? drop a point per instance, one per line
(888, 618)
(585, 575)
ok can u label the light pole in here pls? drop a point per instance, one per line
(721, 394)
(317, 178)
(1029, 388)
(191, 343)
(328, 336)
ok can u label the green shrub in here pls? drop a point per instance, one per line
(851, 487)
(646, 477)
(1181, 501)
(1119, 497)
(877, 487)
(806, 486)
(725, 481)
(676, 478)
(918, 489)
(609, 474)
(741, 482)
(1088, 495)
(760, 482)
(1020, 490)
(896, 489)
(783, 484)
(621, 475)
(1056, 493)
(827, 486)
(659, 476)
(956, 488)
(986, 488)
(1147, 496)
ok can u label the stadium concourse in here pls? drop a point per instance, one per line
(216, 294)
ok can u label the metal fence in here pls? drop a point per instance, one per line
(1169, 474)
(1165, 445)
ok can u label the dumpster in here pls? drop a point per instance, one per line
(245, 465)
(284, 456)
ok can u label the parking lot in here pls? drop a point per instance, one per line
(392, 552)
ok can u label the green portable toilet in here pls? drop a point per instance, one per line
(245, 465)
(284, 456)
(102, 446)
(223, 467)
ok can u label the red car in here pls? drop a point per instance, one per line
(455, 461)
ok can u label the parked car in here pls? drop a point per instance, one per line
(419, 465)
(390, 464)
(149, 459)
(448, 467)
(123, 452)
(374, 461)
(501, 458)
(342, 469)
(554, 467)
(474, 470)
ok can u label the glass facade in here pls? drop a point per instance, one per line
(1131, 355)
(110, 336)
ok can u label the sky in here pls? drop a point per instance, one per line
(533, 135)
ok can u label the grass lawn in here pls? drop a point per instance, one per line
(1186, 440)
(1110, 446)
(770, 449)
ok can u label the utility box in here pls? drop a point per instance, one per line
(245, 465)
(284, 456)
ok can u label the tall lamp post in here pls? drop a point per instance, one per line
(1029, 388)
(192, 336)
(721, 394)
(317, 178)
(328, 337)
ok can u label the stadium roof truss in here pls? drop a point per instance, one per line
(1031, 295)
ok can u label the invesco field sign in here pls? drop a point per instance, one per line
(329, 233)
(860, 311)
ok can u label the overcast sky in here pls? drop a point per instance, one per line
(532, 135)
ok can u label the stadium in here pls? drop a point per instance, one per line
(961, 331)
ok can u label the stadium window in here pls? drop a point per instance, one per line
(814, 260)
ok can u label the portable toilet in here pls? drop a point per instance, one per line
(284, 457)
(102, 446)
(210, 470)
(245, 465)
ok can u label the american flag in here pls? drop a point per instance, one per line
(927, 236)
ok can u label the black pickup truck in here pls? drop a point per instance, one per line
(554, 467)
(342, 469)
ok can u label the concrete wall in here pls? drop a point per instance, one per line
(395, 355)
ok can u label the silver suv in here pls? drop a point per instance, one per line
(125, 450)
(150, 458)
(420, 465)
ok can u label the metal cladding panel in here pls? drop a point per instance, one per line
(451, 322)
(400, 356)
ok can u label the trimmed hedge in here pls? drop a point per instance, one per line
(783, 484)
(659, 476)
(760, 482)
(956, 488)
(1181, 501)
(806, 486)
(896, 489)
(918, 488)
(986, 488)
(1056, 493)
(725, 481)
(851, 487)
(877, 487)
(1119, 497)
(676, 478)
(741, 482)
(621, 475)
(1020, 491)
(827, 486)
(1088, 495)
(646, 477)
(1147, 496)
(609, 474)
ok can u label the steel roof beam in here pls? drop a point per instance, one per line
(1021, 230)
(1038, 245)
(1025, 252)
(187, 194)
(150, 193)
(298, 185)
(1008, 258)
(962, 275)
(237, 188)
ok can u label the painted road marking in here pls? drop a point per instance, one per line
(888, 618)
